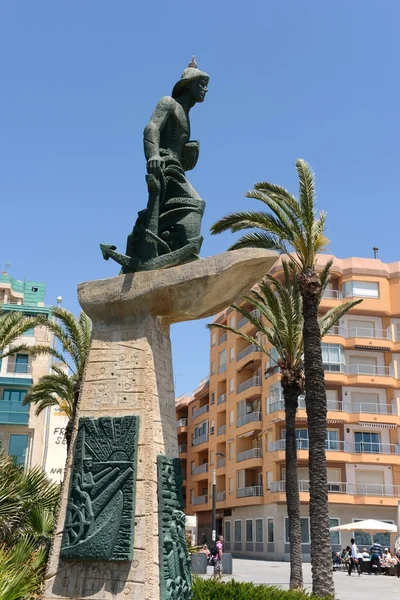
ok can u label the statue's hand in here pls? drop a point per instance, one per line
(190, 155)
(155, 165)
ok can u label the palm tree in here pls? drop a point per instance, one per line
(281, 322)
(28, 500)
(13, 325)
(62, 386)
(291, 227)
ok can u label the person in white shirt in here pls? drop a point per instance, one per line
(354, 561)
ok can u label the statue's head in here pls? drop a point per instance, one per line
(87, 463)
(193, 81)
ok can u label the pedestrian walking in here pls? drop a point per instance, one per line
(217, 552)
(354, 562)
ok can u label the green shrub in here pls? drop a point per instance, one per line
(210, 589)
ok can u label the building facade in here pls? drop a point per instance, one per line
(30, 439)
(236, 422)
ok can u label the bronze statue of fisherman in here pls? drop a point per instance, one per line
(167, 232)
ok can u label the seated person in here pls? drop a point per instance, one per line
(337, 560)
(206, 551)
(365, 553)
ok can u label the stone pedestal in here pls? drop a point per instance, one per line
(129, 372)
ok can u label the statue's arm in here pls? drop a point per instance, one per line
(152, 133)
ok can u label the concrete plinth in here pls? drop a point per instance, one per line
(129, 372)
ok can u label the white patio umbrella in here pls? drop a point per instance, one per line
(370, 526)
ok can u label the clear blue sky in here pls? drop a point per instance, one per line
(289, 79)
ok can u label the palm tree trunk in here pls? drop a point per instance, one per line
(321, 553)
(291, 393)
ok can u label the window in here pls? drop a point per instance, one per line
(270, 531)
(231, 386)
(301, 437)
(211, 457)
(227, 532)
(212, 427)
(249, 531)
(238, 531)
(14, 395)
(270, 478)
(231, 417)
(240, 479)
(21, 363)
(29, 332)
(332, 357)
(335, 535)
(222, 361)
(232, 322)
(231, 354)
(365, 539)
(363, 289)
(305, 533)
(212, 368)
(230, 451)
(332, 439)
(212, 400)
(213, 339)
(231, 485)
(366, 441)
(273, 358)
(17, 448)
(275, 399)
(259, 531)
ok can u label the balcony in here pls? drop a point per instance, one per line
(341, 446)
(249, 418)
(246, 351)
(199, 500)
(13, 413)
(252, 490)
(335, 294)
(221, 430)
(200, 469)
(369, 333)
(221, 369)
(221, 496)
(247, 454)
(196, 441)
(15, 367)
(182, 449)
(255, 313)
(341, 487)
(201, 411)
(222, 338)
(249, 383)
(221, 399)
(182, 423)
(380, 371)
(333, 405)
(221, 462)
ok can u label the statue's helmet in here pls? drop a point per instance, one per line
(190, 74)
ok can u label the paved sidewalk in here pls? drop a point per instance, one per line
(347, 588)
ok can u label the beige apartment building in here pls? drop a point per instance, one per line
(30, 439)
(235, 424)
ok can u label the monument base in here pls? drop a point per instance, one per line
(129, 373)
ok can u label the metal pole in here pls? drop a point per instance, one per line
(214, 505)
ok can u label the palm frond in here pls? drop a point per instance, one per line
(329, 319)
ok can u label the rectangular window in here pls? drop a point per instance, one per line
(238, 531)
(363, 289)
(231, 386)
(14, 395)
(227, 532)
(273, 358)
(213, 339)
(335, 535)
(230, 451)
(259, 531)
(332, 357)
(17, 448)
(366, 441)
(211, 457)
(249, 531)
(332, 439)
(222, 361)
(212, 368)
(231, 417)
(232, 322)
(231, 354)
(270, 531)
(29, 333)
(21, 363)
(231, 485)
(212, 400)
(305, 533)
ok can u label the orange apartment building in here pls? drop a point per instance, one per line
(235, 423)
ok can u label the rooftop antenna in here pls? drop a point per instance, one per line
(375, 249)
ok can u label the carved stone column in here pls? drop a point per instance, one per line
(121, 506)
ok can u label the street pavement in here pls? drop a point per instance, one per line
(364, 587)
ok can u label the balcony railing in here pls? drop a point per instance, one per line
(196, 441)
(221, 399)
(252, 453)
(221, 463)
(221, 430)
(246, 351)
(200, 469)
(222, 338)
(182, 423)
(222, 368)
(199, 500)
(221, 496)
(253, 381)
(182, 449)
(252, 490)
(201, 411)
(368, 332)
(14, 367)
(249, 418)
(341, 446)
(333, 405)
(332, 294)
(244, 320)
(342, 487)
(378, 370)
